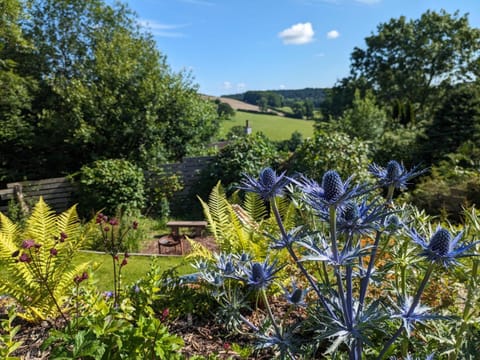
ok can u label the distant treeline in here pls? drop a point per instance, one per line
(279, 98)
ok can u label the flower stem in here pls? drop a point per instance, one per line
(414, 304)
(298, 263)
(365, 281)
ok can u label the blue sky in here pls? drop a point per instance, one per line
(231, 46)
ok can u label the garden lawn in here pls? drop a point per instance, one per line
(137, 267)
(273, 126)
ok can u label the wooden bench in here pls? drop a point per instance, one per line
(175, 238)
(197, 226)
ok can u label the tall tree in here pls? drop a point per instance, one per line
(15, 90)
(456, 122)
(104, 91)
(416, 60)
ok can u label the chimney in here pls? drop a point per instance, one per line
(248, 129)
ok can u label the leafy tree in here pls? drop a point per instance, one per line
(100, 90)
(364, 119)
(224, 110)
(298, 110)
(247, 154)
(263, 104)
(457, 121)
(416, 60)
(308, 105)
(328, 150)
(15, 89)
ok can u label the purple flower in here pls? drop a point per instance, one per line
(53, 252)
(28, 244)
(25, 258)
(394, 174)
(63, 236)
(442, 248)
(268, 185)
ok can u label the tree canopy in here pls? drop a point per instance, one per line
(94, 86)
(416, 60)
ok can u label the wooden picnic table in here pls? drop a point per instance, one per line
(197, 226)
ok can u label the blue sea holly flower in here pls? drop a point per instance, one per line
(268, 185)
(333, 191)
(296, 296)
(418, 315)
(360, 219)
(442, 248)
(332, 186)
(394, 174)
(260, 275)
(288, 239)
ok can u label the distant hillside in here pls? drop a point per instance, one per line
(316, 95)
(238, 104)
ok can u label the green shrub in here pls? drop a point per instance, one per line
(114, 185)
(246, 154)
(330, 150)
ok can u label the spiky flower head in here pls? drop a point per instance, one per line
(268, 185)
(411, 315)
(296, 296)
(332, 186)
(441, 248)
(394, 174)
(333, 191)
(260, 275)
(440, 242)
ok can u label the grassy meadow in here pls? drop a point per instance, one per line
(275, 127)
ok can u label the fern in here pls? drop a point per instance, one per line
(238, 227)
(41, 280)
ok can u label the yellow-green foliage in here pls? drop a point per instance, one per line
(42, 282)
(240, 226)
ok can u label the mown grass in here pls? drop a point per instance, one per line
(275, 127)
(138, 266)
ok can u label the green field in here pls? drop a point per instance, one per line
(137, 267)
(275, 127)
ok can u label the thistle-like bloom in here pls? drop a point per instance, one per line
(25, 258)
(28, 243)
(288, 239)
(260, 275)
(333, 192)
(359, 219)
(394, 174)
(295, 297)
(225, 264)
(441, 248)
(268, 185)
(418, 315)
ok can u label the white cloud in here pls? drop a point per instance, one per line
(320, 55)
(298, 34)
(227, 85)
(333, 34)
(282, 87)
(161, 30)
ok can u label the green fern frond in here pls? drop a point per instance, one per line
(198, 251)
(47, 276)
(255, 206)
